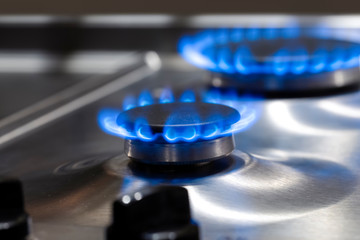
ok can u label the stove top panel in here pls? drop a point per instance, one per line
(293, 173)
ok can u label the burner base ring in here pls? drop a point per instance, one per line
(291, 86)
(179, 153)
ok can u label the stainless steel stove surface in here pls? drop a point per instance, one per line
(293, 173)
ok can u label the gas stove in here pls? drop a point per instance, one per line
(198, 127)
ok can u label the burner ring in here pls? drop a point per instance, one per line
(303, 62)
(305, 53)
(186, 119)
(179, 153)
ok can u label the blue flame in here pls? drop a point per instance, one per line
(211, 131)
(188, 96)
(229, 51)
(291, 32)
(113, 122)
(129, 102)
(253, 34)
(188, 132)
(271, 33)
(184, 134)
(246, 105)
(145, 98)
(143, 130)
(225, 61)
(336, 59)
(319, 60)
(300, 62)
(222, 36)
(196, 51)
(166, 96)
(212, 96)
(280, 62)
(244, 61)
(107, 119)
(353, 57)
(236, 35)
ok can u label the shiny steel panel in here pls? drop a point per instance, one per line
(294, 174)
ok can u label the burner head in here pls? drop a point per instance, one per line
(179, 133)
(297, 54)
(183, 131)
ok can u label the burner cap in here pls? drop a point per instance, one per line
(179, 121)
(189, 118)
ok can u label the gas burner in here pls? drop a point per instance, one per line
(179, 132)
(192, 127)
(274, 60)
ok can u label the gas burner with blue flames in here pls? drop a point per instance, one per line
(184, 129)
(274, 60)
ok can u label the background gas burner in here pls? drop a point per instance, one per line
(276, 62)
(167, 130)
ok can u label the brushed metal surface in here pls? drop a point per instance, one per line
(294, 174)
(28, 100)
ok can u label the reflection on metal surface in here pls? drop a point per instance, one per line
(341, 21)
(50, 101)
(71, 185)
(266, 191)
(82, 62)
(282, 117)
(56, 232)
(348, 21)
(259, 192)
(29, 19)
(236, 20)
(91, 97)
(153, 60)
(130, 20)
(340, 79)
(31, 62)
(73, 167)
(100, 62)
(340, 109)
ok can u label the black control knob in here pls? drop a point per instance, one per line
(161, 213)
(14, 221)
